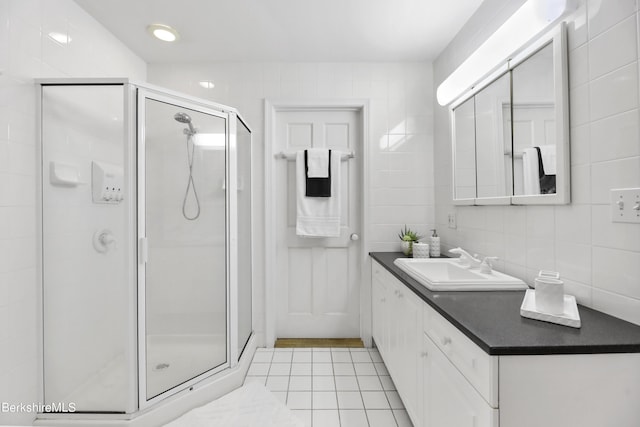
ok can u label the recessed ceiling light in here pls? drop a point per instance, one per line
(207, 84)
(163, 32)
(60, 37)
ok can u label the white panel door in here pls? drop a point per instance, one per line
(318, 279)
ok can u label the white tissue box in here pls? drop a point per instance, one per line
(420, 250)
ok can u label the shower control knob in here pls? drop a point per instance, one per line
(103, 241)
(106, 238)
(354, 237)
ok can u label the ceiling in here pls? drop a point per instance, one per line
(286, 30)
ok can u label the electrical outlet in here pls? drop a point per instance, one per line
(452, 220)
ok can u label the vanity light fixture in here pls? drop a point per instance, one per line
(526, 23)
(207, 84)
(60, 37)
(163, 32)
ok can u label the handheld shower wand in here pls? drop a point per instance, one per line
(182, 117)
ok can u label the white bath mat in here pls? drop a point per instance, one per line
(252, 405)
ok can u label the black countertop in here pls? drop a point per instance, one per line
(492, 320)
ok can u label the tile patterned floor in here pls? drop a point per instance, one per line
(331, 387)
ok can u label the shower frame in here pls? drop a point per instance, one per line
(207, 385)
(231, 244)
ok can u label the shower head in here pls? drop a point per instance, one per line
(186, 119)
(182, 117)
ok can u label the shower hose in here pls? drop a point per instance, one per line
(191, 186)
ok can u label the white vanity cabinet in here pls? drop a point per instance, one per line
(397, 330)
(446, 380)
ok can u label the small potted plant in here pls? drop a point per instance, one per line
(408, 237)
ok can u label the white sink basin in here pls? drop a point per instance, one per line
(438, 274)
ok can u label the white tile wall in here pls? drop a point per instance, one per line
(615, 92)
(599, 259)
(401, 130)
(615, 137)
(603, 59)
(26, 52)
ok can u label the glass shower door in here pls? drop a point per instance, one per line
(183, 262)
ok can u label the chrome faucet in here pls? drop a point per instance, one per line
(466, 259)
(487, 264)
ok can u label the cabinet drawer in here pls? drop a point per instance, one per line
(480, 369)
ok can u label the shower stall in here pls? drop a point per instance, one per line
(146, 255)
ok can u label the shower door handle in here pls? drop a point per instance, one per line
(144, 250)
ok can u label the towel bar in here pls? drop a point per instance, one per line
(516, 155)
(292, 156)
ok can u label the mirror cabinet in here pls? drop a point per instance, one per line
(511, 131)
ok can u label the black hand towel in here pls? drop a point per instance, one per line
(547, 182)
(317, 187)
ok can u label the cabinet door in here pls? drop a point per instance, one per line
(379, 305)
(394, 327)
(449, 399)
(408, 315)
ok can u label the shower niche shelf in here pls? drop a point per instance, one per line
(63, 175)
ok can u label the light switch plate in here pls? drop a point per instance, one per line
(625, 205)
(452, 220)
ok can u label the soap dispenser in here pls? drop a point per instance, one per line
(434, 244)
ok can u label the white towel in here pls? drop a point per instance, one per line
(548, 154)
(318, 216)
(318, 162)
(530, 171)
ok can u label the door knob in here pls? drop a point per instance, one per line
(354, 237)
